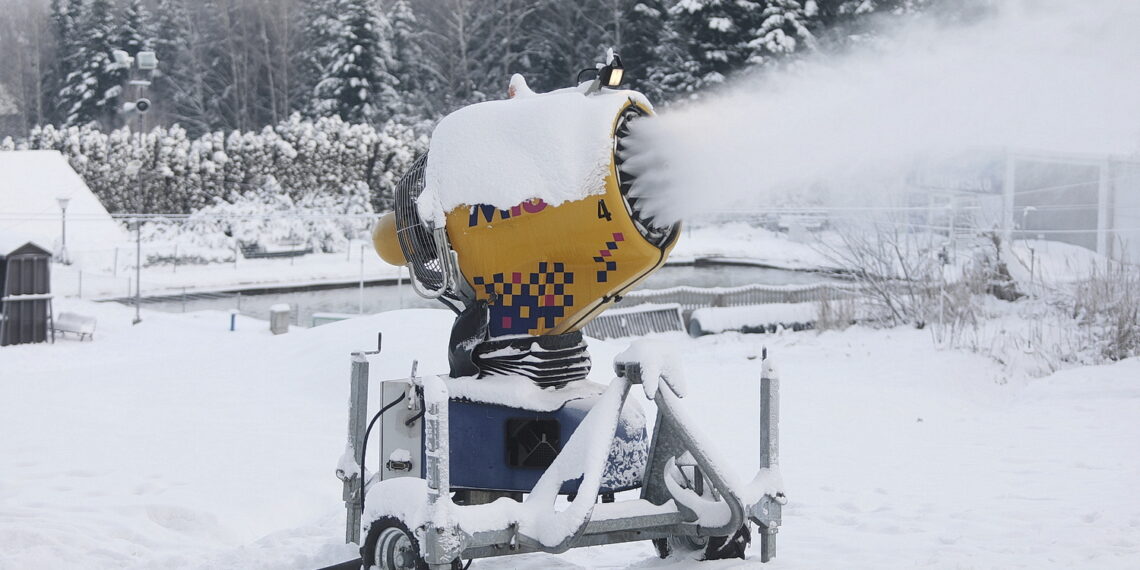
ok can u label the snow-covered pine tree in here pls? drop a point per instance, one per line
(136, 32)
(179, 89)
(673, 74)
(63, 88)
(357, 85)
(785, 29)
(24, 28)
(565, 37)
(840, 23)
(717, 35)
(226, 70)
(320, 27)
(644, 30)
(418, 87)
(93, 86)
(477, 44)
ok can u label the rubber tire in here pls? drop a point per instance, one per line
(681, 544)
(715, 547)
(378, 528)
(725, 548)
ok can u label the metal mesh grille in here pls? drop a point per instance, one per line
(416, 239)
(651, 229)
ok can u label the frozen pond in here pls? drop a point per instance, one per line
(379, 298)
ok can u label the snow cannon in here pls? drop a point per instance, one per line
(520, 218)
(523, 220)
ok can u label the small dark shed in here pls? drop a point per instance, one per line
(25, 295)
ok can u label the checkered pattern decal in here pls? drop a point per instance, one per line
(605, 257)
(523, 302)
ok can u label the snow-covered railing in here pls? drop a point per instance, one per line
(636, 321)
(754, 318)
(691, 298)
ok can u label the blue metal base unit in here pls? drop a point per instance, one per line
(500, 448)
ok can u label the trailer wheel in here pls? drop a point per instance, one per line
(692, 478)
(726, 547)
(391, 546)
(715, 547)
(681, 544)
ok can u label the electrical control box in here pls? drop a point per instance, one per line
(401, 431)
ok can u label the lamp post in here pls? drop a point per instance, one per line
(147, 62)
(1025, 236)
(143, 61)
(138, 271)
(63, 201)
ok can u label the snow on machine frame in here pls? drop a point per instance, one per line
(522, 220)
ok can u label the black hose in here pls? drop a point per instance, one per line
(450, 304)
(578, 80)
(364, 445)
(408, 422)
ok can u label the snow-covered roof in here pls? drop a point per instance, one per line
(10, 242)
(553, 146)
(30, 183)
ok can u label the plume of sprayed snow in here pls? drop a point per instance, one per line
(1043, 75)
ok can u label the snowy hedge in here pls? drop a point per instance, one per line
(266, 216)
(165, 171)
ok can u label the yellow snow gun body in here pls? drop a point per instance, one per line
(546, 269)
(526, 227)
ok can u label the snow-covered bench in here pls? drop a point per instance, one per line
(259, 251)
(764, 318)
(82, 326)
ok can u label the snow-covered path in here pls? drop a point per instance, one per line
(177, 444)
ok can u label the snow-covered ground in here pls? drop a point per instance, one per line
(178, 444)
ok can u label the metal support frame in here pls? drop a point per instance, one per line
(357, 428)
(768, 513)
(357, 420)
(442, 540)
(138, 271)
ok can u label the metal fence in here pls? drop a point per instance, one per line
(691, 298)
(235, 298)
(661, 310)
(617, 323)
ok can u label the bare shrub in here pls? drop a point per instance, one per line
(1108, 304)
(836, 311)
(999, 282)
(959, 304)
(975, 303)
(895, 271)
